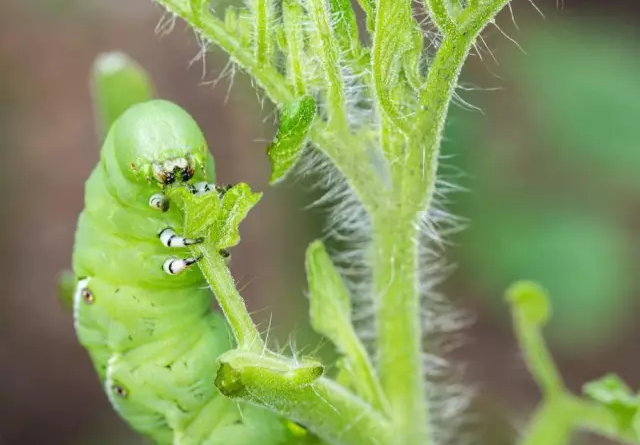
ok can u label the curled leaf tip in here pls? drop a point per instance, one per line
(530, 300)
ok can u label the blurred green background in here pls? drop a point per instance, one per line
(551, 164)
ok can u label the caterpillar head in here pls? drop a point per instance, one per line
(159, 141)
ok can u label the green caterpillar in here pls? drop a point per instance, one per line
(140, 309)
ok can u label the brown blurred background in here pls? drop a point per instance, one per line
(552, 166)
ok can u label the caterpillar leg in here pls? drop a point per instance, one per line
(159, 201)
(200, 188)
(169, 238)
(174, 266)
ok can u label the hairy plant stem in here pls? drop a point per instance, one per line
(439, 11)
(395, 255)
(263, 13)
(410, 140)
(438, 91)
(222, 284)
(213, 29)
(293, 389)
(323, 406)
(395, 265)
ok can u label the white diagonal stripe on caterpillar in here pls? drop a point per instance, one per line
(77, 300)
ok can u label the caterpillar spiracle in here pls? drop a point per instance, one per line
(145, 320)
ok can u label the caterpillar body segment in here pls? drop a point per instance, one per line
(151, 335)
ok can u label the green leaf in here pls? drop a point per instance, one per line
(200, 211)
(330, 306)
(118, 82)
(330, 314)
(614, 393)
(213, 218)
(236, 204)
(295, 122)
